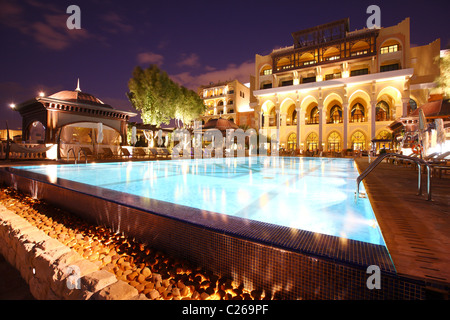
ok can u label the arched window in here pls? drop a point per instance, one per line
(36, 132)
(312, 141)
(412, 105)
(314, 116)
(220, 103)
(358, 141)
(335, 114)
(382, 111)
(334, 141)
(384, 135)
(291, 116)
(357, 113)
(272, 118)
(292, 142)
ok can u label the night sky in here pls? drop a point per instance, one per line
(195, 42)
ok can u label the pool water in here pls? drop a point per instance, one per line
(313, 194)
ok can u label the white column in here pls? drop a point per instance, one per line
(224, 107)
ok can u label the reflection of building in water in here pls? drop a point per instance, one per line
(336, 89)
(73, 119)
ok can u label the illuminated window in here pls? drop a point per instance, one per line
(335, 114)
(314, 116)
(267, 72)
(382, 111)
(389, 49)
(357, 113)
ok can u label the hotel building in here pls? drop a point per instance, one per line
(334, 90)
(229, 100)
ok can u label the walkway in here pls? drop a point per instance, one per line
(416, 231)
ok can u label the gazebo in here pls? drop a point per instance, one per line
(73, 119)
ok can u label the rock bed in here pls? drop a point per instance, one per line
(150, 271)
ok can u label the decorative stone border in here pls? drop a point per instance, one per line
(52, 270)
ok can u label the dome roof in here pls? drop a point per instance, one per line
(79, 97)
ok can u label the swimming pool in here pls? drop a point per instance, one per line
(312, 194)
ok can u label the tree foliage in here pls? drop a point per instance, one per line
(159, 99)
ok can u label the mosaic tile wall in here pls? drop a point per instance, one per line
(284, 274)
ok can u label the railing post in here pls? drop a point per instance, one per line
(419, 180)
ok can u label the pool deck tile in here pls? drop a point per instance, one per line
(416, 231)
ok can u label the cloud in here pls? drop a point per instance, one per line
(191, 60)
(115, 24)
(240, 72)
(50, 31)
(150, 58)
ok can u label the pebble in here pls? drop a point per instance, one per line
(150, 271)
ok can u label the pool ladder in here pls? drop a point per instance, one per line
(419, 162)
(78, 155)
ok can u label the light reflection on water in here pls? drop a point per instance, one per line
(314, 194)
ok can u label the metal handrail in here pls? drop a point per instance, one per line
(68, 154)
(85, 156)
(380, 158)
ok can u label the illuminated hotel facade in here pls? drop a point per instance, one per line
(228, 100)
(334, 90)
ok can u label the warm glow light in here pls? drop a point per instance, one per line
(345, 74)
(41, 94)
(12, 106)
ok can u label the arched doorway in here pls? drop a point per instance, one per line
(312, 141)
(358, 141)
(334, 142)
(292, 142)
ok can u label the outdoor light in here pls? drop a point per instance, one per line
(12, 106)
(41, 94)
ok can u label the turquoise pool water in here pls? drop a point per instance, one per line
(313, 194)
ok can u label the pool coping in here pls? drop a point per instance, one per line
(348, 252)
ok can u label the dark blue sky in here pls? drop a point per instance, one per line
(195, 42)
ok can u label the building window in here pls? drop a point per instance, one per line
(390, 67)
(309, 79)
(314, 116)
(358, 141)
(334, 142)
(267, 85)
(267, 72)
(312, 142)
(332, 76)
(287, 83)
(337, 57)
(382, 111)
(359, 53)
(357, 113)
(308, 63)
(359, 72)
(292, 142)
(412, 105)
(389, 49)
(335, 114)
(272, 118)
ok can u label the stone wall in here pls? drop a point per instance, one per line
(52, 270)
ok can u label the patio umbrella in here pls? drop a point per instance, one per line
(422, 120)
(100, 132)
(133, 136)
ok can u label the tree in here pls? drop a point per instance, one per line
(443, 80)
(159, 99)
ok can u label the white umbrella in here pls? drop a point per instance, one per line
(133, 136)
(100, 132)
